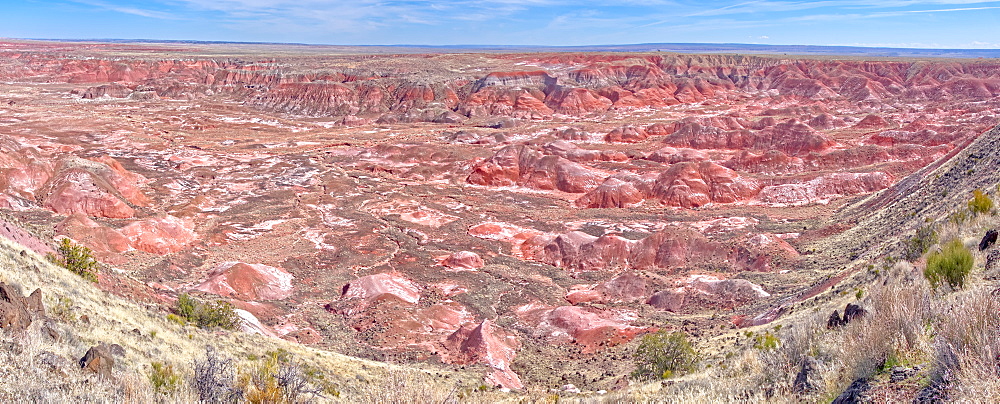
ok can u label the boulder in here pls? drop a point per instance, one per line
(834, 321)
(807, 378)
(853, 312)
(988, 240)
(98, 359)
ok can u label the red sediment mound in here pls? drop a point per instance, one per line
(627, 287)
(762, 251)
(626, 134)
(91, 188)
(379, 286)
(871, 122)
(702, 291)
(161, 235)
(823, 188)
(248, 281)
(574, 153)
(576, 101)
(769, 162)
(668, 249)
(590, 328)
(485, 343)
(521, 165)
(671, 155)
(101, 239)
(692, 185)
(463, 260)
(617, 191)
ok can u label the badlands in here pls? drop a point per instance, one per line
(525, 215)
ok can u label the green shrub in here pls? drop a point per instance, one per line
(765, 342)
(917, 245)
(76, 258)
(663, 355)
(206, 314)
(980, 202)
(163, 378)
(62, 308)
(951, 265)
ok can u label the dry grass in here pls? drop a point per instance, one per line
(148, 336)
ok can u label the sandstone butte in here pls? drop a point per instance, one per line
(470, 208)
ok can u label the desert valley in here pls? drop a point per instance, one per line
(525, 219)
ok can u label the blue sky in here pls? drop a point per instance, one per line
(896, 23)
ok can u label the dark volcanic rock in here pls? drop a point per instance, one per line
(988, 240)
(855, 393)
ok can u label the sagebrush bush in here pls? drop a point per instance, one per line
(917, 245)
(163, 377)
(276, 378)
(76, 258)
(980, 202)
(951, 265)
(207, 314)
(215, 379)
(663, 355)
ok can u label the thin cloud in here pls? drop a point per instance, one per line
(129, 10)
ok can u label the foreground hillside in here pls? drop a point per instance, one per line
(529, 221)
(43, 353)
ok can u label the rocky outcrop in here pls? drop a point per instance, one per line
(988, 240)
(851, 313)
(17, 312)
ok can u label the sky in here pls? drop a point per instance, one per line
(966, 24)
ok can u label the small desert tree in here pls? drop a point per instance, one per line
(951, 265)
(980, 202)
(76, 258)
(663, 355)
